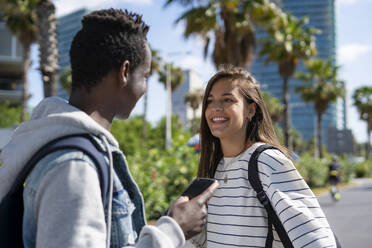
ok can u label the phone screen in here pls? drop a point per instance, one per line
(198, 186)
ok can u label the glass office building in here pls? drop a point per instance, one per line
(321, 15)
(68, 25)
(11, 66)
(192, 82)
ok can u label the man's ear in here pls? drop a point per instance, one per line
(124, 74)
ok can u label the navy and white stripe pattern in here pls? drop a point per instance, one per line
(237, 219)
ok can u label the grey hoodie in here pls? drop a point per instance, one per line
(54, 118)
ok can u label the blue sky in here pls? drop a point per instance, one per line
(354, 49)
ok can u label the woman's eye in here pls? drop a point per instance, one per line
(228, 100)
(209, 101)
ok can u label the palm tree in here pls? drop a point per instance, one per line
(362, 98)
(177, 75)
(21, 19)
(274, 107)
(66, 79)
(171, 76)
(230, 24)
(194, 99)
(297, 140)
(155, 68)
(47, 23)
(287, 43)
(322, 89)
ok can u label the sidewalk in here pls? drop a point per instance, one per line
(351, 217)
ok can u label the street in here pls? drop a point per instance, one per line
(351, 217)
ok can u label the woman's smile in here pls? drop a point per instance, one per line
(226, 112)
(218, 120)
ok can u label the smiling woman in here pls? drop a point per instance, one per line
(228, 114)
(234, 123)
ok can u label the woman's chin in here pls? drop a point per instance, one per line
(218, 134)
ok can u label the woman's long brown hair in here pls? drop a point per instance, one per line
(259, 129)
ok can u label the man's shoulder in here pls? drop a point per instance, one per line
(60, 158)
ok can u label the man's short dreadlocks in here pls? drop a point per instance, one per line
(107, 38)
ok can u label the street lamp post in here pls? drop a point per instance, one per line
(168, 124)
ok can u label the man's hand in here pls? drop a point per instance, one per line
(191, 215)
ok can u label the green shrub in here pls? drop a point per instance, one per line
(9, 115)
(363, 169)
(161, 174)
(181, 162)
(347, 169)
(145, 170)
(314, 171)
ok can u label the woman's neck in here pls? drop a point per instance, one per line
(231, 148)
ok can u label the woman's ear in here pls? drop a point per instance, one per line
(124, 74)
(251, 110)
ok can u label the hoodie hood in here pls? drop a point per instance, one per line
(51, 119)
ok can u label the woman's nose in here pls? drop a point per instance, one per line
(216, 105)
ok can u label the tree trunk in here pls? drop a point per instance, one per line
(319, 134)
(47, 24)
(193, 122)
(50, 84)
(144, 123)
(368, 142)
(26, 66)
(287, 114)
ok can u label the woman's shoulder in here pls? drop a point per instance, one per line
(272, 158)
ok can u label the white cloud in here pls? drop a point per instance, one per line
(347, 2)
(196, 63)
(179, 28)
(204, 68)
(65, 6)
(191, 62)
(351, 52)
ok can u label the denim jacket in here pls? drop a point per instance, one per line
(127, 202)
(62, 196)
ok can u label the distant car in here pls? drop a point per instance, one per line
(194, 142)
(294, 156)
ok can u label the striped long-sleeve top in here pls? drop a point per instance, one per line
(237, 219)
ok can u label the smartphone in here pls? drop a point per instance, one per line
(198, 186)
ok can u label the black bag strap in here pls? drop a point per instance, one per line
(11, 206)
(273, 218)
(81, 142)
(270, 234)
(262, 197)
